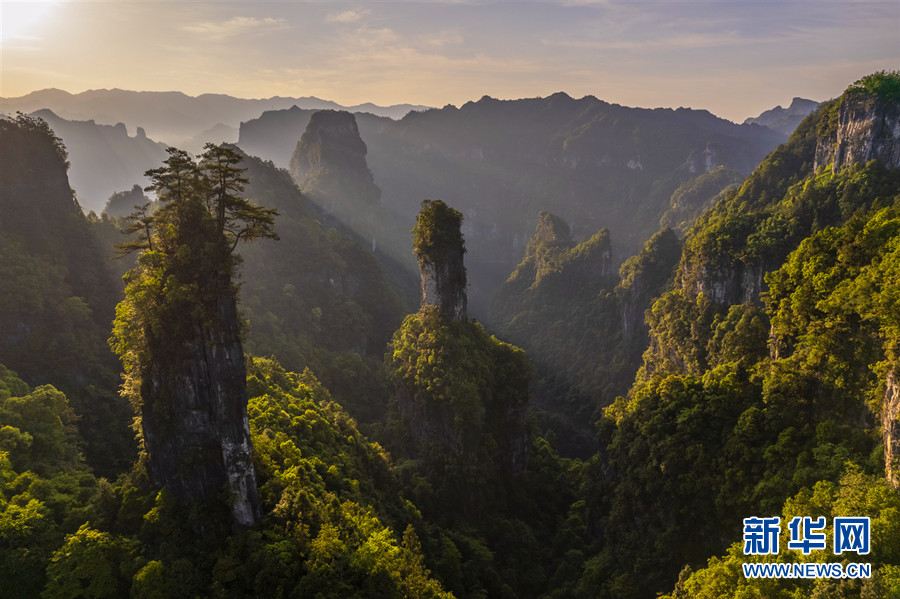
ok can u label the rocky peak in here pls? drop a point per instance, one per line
(329, 165)
(784, 120)
(331, 142)
(439, 247)
(195, 421)
(551, 230)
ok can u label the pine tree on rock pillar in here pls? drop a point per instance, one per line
(439, 247)
(177, 330)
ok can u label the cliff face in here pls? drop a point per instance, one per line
(868, 129)
(890, 428)
(104, 158)
(643, 278)
(727, 285)
(195, 417)
(57, 292)
(705, 161)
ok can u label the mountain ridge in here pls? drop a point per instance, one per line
(173, 116)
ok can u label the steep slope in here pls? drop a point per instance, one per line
(769, 373)
(458, 427)
(57, 296)
(581, 321)
(329, 165)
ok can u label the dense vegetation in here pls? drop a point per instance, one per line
(334, 524)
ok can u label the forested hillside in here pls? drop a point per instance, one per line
(764, 383)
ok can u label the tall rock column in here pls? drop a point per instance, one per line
(178, 336)
(194, 420)
(439, 247)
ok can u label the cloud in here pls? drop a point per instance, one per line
(443, 38)
(695, 40)
(235, 26)
(347, 16)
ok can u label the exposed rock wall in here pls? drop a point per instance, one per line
(868, 129)
(890, 428)
(444, 286)
(726, 285)
(195, 421)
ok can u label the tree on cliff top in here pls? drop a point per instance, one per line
(437, 232)
(186, 246)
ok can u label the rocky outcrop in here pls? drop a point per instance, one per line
(439, 247)
(643, 278)
(194, 417)
(890, 428)
(104, 158)
(705, 161)
(868, 128)
(329, 165)
(727, 285)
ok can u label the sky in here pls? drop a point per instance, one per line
(733, 58)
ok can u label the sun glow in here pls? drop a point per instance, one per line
(18, 20)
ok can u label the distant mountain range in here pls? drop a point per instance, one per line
(174, 117)
(500, 162)
(785, 120)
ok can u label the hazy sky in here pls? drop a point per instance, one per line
(734, 58)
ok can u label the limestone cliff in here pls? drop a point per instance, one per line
(461, 394)
(643, 279)
(178, 335)
(727, 256)
(194, 420)
(890, 428)
(705, 161)
(868, 128)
